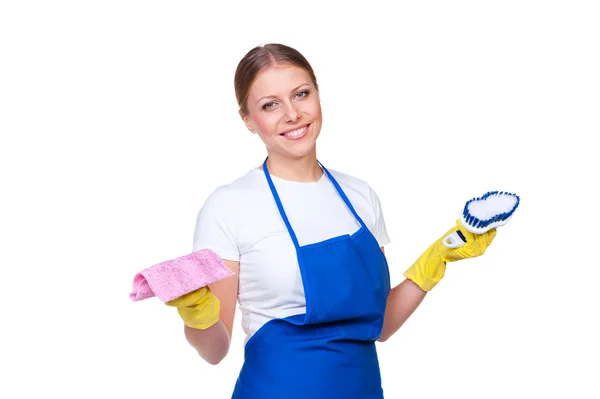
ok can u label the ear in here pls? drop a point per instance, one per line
(247, 121)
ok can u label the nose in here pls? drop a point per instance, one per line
(291, 113)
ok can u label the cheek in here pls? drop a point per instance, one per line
(319, 111)
(315, 109)
(267, 124)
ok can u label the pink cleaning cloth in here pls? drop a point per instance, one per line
(176, 277)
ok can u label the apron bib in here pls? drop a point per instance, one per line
(328, 352)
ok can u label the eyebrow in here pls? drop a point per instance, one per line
(291, 91)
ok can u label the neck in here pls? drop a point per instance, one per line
(305, 169)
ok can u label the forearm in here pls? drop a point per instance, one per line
(212, 344)
(403, 300)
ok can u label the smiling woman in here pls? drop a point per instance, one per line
(306, 246)
(283, 108)
(279, 100)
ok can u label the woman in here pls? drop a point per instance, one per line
(306, 246)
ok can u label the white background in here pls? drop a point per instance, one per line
(118, 118)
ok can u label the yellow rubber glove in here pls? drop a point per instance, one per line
(199, 309)
(430, 268)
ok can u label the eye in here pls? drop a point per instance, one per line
(268, 106)
(302, 93)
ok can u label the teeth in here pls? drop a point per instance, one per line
(296, 133)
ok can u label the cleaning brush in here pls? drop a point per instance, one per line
(481, 214)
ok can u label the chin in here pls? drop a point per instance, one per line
(302, 153)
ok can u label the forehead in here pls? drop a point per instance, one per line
(278, 80)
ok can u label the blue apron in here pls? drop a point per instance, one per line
(328, 352)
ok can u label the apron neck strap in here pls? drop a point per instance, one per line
(282, 211)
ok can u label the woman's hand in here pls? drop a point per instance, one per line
(430, 268)
(199, 309)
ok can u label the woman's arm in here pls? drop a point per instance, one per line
(212, 344)
(403, 300)
(426, 272)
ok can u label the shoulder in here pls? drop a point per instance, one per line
(367, 204)
(237, 192)
(221, 217)
(359, 190)
(354, 185)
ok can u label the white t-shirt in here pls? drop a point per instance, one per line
(241, 222)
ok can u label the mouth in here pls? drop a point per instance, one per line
(296, 134)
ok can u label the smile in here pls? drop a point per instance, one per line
(296, 133)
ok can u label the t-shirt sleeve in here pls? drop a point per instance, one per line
(214, 227)
(379, 228)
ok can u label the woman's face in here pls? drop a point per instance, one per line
(285, 111)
